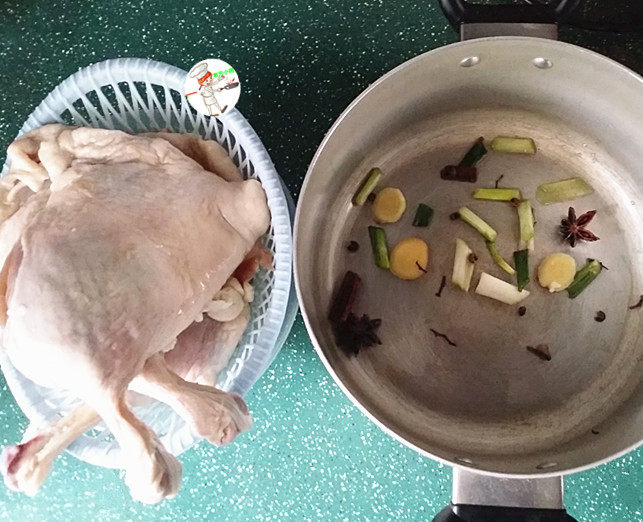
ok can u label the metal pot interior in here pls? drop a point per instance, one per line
(487, 403)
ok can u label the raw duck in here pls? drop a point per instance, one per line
(126, 263)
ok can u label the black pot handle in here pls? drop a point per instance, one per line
(462, 11)
(466, 513)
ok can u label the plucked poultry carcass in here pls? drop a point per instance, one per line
(126, 263)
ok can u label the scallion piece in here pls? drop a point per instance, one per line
(564, 190)
(513, 145)
(380, 248)
(499, 290)
(496, 194)
(457, 173)
(584, 277)
(526, 220)
(475, 154)
(367, 186)
(491, 247)
(423, 216)
(462, 265)
(521, 260)
(472, 219)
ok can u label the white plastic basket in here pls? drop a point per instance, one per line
(136, 95)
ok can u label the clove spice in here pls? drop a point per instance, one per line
(417, 263)
(443, 283)
(353, 246)
(541, 351)
(637, 305)
(443, 336)
(498, 180)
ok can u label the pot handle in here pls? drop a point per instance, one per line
(481, 498)
(461, 12)
(464, 513)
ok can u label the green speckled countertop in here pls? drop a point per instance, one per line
(311, 453)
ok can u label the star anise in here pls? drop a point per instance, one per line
(573, 228)
(355, 333)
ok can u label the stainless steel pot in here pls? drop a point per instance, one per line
(487, 406)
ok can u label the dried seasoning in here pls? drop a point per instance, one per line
(352, 333)
(541, 351)
(345, 297)
(355, 333)
(637, 305)
(443, 336)
(573, 228)
(353, 246)
(443, 283)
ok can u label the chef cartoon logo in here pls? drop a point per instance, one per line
(212, 87)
